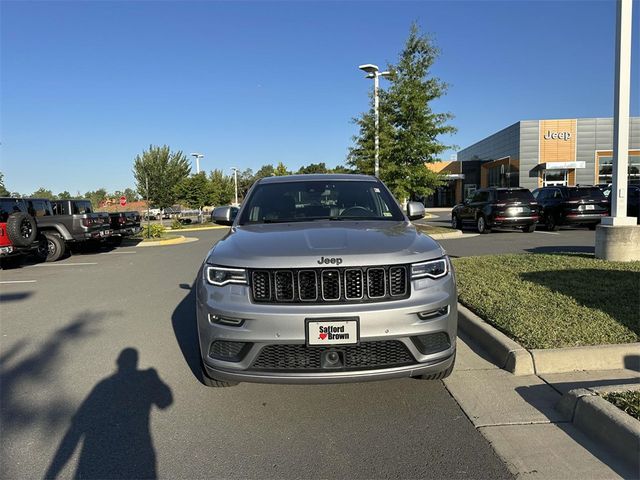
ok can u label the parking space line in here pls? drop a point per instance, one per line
(547, 233)
(64, 264)
(19, 281)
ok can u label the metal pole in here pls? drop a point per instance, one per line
(235, 175)
(197, 164)
(377, 124)
(146, 177)
(622, 88)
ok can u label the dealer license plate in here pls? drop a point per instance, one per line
(517, 209)
(332, 332)
(590, 207)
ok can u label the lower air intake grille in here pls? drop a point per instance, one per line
(367, 355)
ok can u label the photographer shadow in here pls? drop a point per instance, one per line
(112, 424)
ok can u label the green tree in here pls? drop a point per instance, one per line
(96, 197)
(245, 180)
(314, 168)
(194, 191)
(64, 195)
(3, 190)
(131, 195)
(409, 128)
(43, 193)
(222, 188)
(341, 169)
(265, 171)
(164, 170)
(281, 170)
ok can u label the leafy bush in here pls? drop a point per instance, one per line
(176, 225)
(153, 231)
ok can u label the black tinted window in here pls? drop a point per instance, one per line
(9, 206)
(514, 195)
(82, 207)
(319, 200)
(589, 192)
(40, 208)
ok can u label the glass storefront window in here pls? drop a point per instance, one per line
(605, 169)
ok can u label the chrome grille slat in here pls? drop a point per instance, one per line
(324, 285)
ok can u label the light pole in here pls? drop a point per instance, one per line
(197, 156)
(235, 177)
(373, 72)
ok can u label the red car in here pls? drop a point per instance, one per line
(18, 230)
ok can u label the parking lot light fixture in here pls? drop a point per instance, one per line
(374, 72)
(197, 156)
(235, 177)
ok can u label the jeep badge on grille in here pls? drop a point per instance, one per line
(330, 261)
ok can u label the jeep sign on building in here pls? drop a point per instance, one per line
(536, 153)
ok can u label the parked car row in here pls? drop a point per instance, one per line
(48, 228)
(551, 206)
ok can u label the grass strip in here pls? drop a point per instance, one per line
(553, 300)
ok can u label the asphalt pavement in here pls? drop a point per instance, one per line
(97, 360)
(504, 240)
(97, 381)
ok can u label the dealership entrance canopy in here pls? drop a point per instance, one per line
(536, 153)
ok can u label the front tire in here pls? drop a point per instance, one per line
(551, 223)
(455, 222)
(481, 225)
(529, 228)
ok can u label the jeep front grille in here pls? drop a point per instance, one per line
(323, 285)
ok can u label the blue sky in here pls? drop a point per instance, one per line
(88, 85)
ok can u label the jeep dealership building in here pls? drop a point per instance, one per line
(535, 153)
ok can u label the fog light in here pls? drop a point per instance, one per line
(441, 312)
(432, 343)
(229, 351)
(223, 320)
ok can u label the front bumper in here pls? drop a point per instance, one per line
(276, 324)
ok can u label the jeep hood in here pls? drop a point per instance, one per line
(297, 245)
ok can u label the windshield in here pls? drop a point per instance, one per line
(590, 192)
(313, 201)
(519, 195)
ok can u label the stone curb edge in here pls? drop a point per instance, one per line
(603, 421)
(514, 358)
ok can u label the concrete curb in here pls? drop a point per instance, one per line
(513, 357)
(173, 241)
(604, 421)
(442, 236)
(507, 353)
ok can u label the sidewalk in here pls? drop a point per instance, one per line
(517, 415)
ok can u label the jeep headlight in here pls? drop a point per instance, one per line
(432, 269)
(221, 276)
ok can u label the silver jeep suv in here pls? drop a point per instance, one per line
(323, 279)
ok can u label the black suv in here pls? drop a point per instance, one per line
(497, 207)
(580, 205)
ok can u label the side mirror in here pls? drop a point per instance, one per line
(224, 215)
(415, 210)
